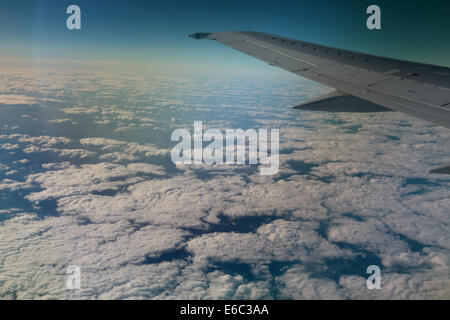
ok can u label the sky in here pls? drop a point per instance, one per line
(146, 33)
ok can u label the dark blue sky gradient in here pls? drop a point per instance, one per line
(141, 31)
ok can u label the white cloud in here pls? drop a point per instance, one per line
(47, 246)
(12, 185)
(280, 240)
(351, 188)
(297, 284)
(420, 285)
(12, 99)
(123, 149)
(88, 178)
(15, 99)
(59, 120)
(9, 146)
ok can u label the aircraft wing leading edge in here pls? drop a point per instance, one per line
(363, 83)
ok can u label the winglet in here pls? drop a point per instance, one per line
(199, 35)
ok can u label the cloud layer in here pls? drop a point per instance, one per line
(95, 187)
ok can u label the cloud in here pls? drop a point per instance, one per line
(12, 185)
(123, 150)
(421, 285)
(59, 120)
(297, 284)
(352, 190)
(280, 240)
(9, 146)
(47, 246)
(198, 285)
(88, 178)
(34, 144)
(14, 99)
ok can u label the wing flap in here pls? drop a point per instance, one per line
(442, 170)
(340, 102)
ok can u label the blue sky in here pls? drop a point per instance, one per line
(140, 32)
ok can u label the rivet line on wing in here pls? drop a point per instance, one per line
(283, 54)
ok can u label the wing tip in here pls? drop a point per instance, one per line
(199, 35)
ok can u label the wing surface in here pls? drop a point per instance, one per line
(419, 90)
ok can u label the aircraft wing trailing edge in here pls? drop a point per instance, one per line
(338, 101)
(363, 82)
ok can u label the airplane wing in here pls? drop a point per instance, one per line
(363, 82)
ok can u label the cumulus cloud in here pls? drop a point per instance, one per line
(59, 120)
(47, 246)
(12, 185)
(296, 283)
(15, 99)
(35, 144)
(12, 99)
(280, 240)
(88, 178)
(352, 190)
(9, 146)
(123, 150)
